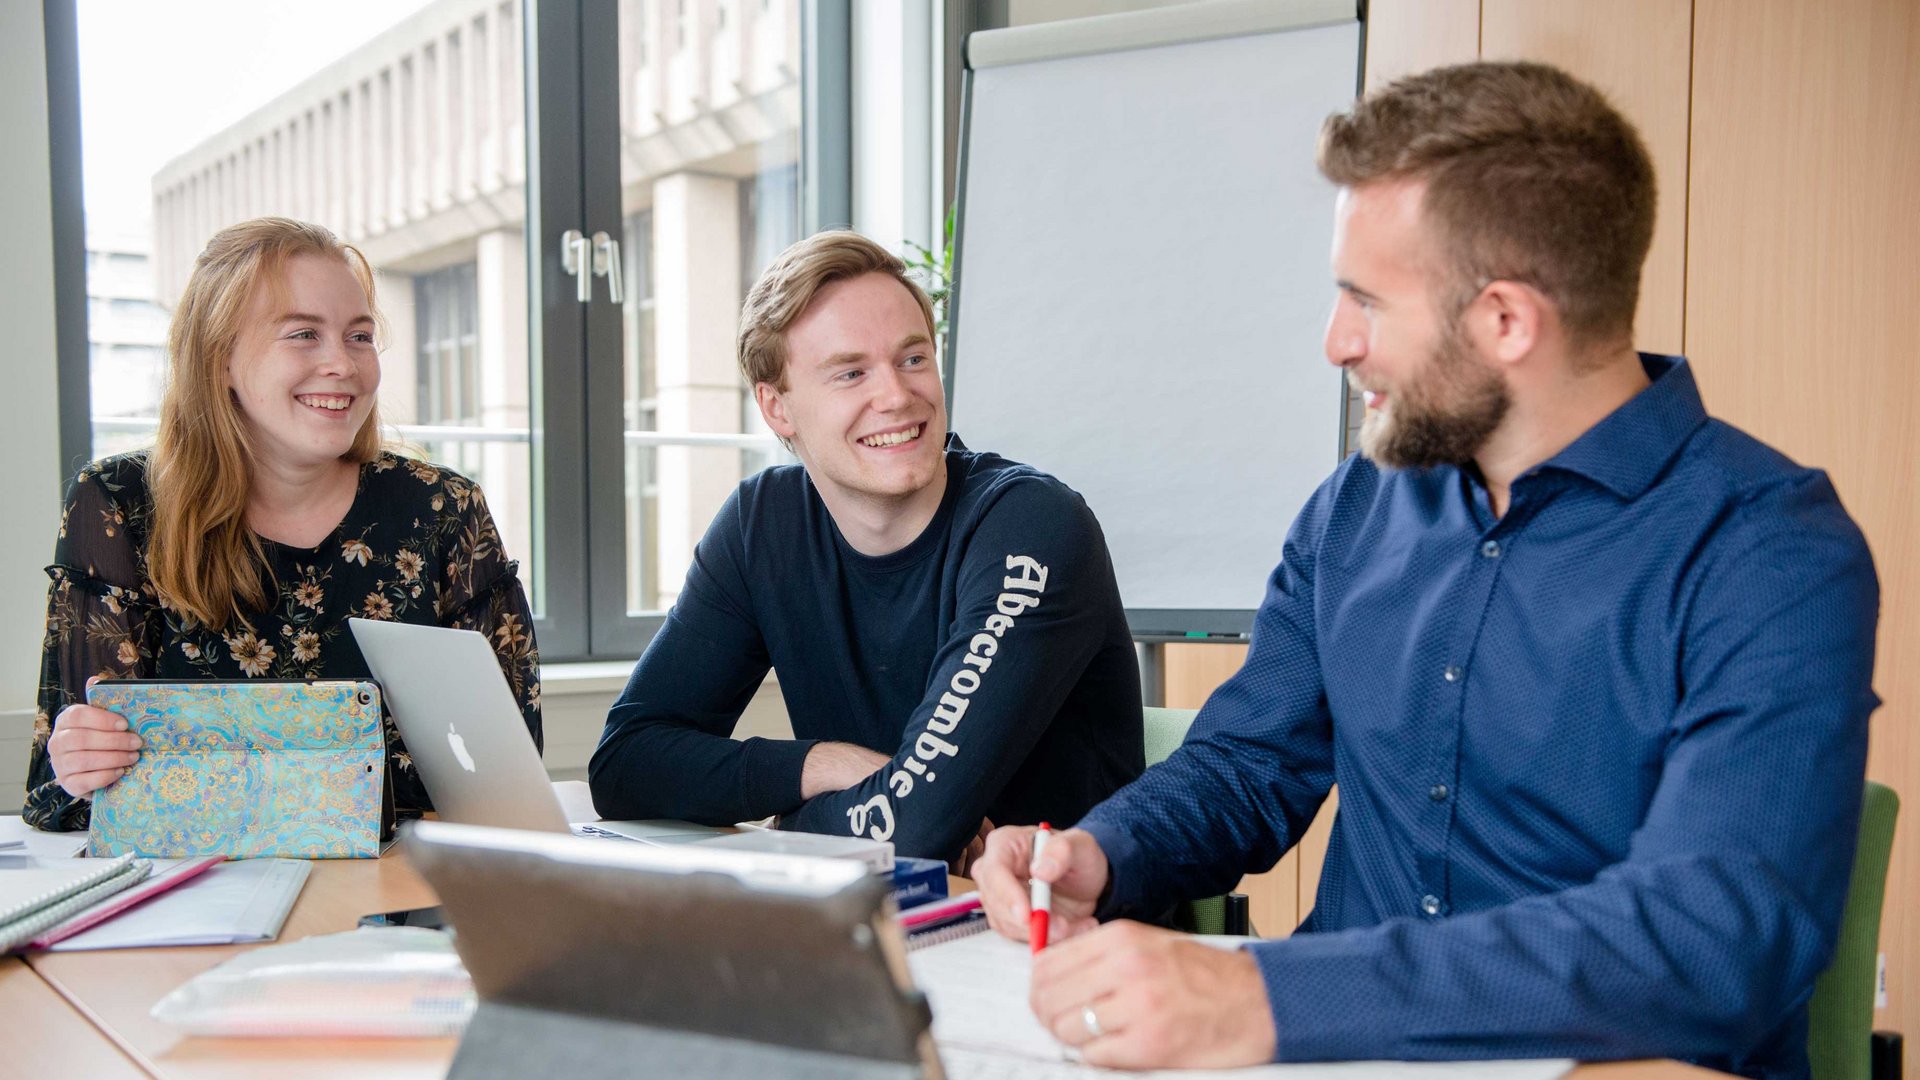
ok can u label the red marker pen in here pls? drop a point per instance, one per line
(1040, 899)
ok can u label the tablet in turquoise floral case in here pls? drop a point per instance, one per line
(245, 769)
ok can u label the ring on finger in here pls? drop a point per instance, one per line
(1091, 1021)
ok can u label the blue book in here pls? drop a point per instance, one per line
(918, 881)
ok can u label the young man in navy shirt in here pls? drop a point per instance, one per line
(944, 624)
(1591, 670)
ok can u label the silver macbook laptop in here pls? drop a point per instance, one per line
(465, 733)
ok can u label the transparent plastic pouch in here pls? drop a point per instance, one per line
(374, 981)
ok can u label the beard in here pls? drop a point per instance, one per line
(1443, 415)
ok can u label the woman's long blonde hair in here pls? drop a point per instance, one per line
(202, 558)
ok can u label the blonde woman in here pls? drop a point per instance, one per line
(265, 514)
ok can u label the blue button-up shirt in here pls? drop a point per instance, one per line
(1600, 758)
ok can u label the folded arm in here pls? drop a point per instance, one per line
(668, 751)
(1033, 607)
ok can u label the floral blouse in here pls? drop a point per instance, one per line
(417, 546)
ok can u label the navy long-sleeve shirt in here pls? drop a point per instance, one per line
(1600, 759)
(990, 658)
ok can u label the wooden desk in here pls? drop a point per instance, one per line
(49, 1037)
(115, 989)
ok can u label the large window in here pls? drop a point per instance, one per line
(486, 155)
(709, 132)
(446, 346)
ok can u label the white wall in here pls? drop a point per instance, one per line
(29, 434)
(574, 699)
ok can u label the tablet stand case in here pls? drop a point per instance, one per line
(293, 769)
(576, 979)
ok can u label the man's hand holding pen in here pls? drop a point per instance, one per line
(1073, 866)
(1126, 994)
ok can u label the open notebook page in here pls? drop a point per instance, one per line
(977, 986)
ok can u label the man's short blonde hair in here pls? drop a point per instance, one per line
(788, 287)
(1531, 176)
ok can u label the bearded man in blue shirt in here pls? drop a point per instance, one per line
(1590, 669)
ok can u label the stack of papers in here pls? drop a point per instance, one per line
(227, 904)
(232, 903)
(123, 901)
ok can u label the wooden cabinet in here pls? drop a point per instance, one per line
(1405, 36)
(1803, 314)
(1637, 52)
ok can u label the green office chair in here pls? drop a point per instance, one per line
(1840, 1036)
(1165, 730)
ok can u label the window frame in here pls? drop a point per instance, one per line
(73, 350)
(580, 452)
(826, 194)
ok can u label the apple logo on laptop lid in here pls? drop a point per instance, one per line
(459, 746)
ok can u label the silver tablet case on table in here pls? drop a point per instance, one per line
(602, 960)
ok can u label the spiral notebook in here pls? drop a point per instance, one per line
(33, 899)
(943, 920)
(965, 926)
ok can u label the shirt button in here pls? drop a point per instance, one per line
(1491, 549)
(1438, 793)
(1452, 674)
(1430, 904)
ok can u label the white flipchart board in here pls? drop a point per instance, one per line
(1143, 282)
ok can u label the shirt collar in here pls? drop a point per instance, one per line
(1628, 450)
